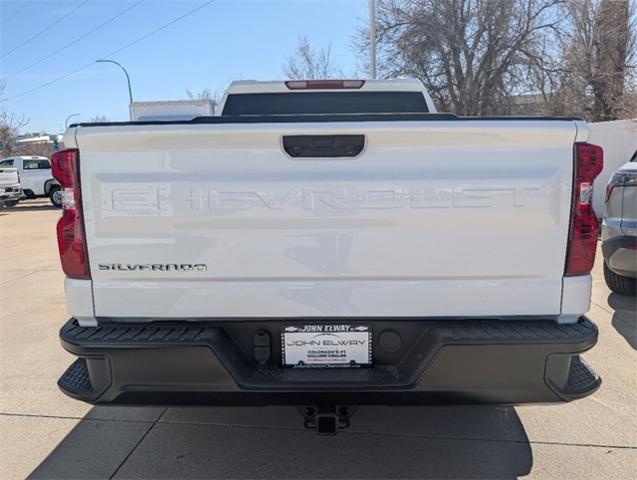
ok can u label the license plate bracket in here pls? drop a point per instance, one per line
(326, 345)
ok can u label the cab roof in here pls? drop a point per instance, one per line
(281, 86)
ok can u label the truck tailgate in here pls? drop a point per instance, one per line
(462, 218)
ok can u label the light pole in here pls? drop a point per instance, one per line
(130, 91)
(372, 36)
(66, 122)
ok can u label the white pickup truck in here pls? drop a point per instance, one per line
(328, 244)
(36, 177)
(10, 187)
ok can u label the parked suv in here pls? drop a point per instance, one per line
(619, 230)
(37, 179)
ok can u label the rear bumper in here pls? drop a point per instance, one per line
(620, 254)
(470, 361)
(10, 193)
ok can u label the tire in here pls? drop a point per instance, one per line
(55, 195)
(618, 283)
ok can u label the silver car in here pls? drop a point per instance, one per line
(619, 230)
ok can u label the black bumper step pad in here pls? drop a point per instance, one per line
(76, 378)
(581, 378)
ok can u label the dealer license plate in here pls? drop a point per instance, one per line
(332, 345)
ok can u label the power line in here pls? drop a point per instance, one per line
(157, 30)
(45, 29)
(78, 39)
(114, 52)
(17, 12)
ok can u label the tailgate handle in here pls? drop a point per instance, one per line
(323, 146)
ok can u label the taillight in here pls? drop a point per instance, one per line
(65, 165)
(621, 179)
(323, 84)
(582, 242)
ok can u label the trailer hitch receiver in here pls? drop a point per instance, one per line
(327, 419)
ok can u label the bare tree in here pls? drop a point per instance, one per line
(472, 55)
(599, 60)
(310, 63)
(10, 124)
(204, 94)
(480, 57)
(41, 149)
(612, 39)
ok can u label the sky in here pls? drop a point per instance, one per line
(223, 41)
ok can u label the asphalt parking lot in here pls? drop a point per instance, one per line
(47, 435)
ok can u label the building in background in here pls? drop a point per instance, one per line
(39, 143)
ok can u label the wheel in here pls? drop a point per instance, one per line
(55, 195)
(618, 283)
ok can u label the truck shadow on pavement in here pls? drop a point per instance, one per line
(216, 442)
(624, 317)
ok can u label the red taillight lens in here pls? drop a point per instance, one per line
(70, 228)
(323, 84)
(64, 165)
(589, 160)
